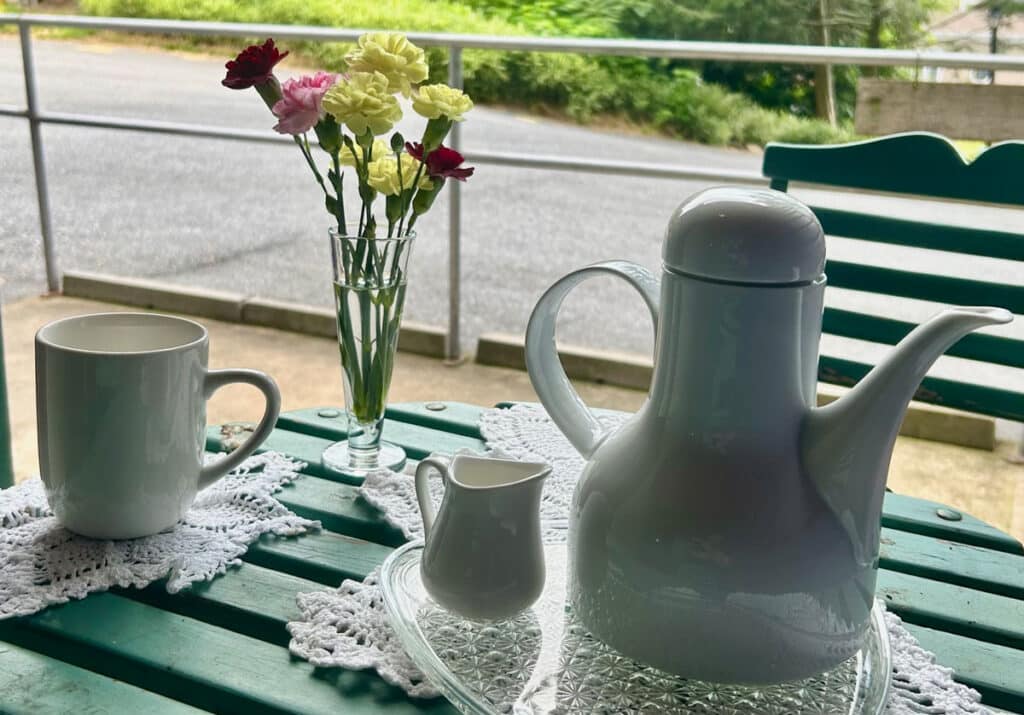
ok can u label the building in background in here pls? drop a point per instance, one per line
(987, 26)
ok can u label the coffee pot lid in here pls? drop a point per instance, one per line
(745, 235)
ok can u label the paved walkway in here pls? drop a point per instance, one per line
(247, 218)
(980, 482)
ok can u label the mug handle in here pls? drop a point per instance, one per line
(441, 464)
(216, 379)
(567, 409)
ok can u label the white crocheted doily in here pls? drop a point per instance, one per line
(42, 564)
(348, 627)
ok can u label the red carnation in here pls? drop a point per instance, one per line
(414, 150)
(253, 66)
(443, 162)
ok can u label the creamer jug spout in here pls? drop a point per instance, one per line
(847, 444)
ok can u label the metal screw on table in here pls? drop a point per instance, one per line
(949, 514)
(329, 414)
(436, 406)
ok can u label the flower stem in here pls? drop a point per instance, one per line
(341, 199)
(406, 205)
(303, 144)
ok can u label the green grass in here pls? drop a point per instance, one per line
(646, 93)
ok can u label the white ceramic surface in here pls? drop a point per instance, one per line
(483, 557)
(121, 410)
(730, 511)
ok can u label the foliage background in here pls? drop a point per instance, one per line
(715, 103)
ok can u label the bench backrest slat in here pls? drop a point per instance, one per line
(917, 163)
(976, 346)
(924, 286)
(935, 390)
(925, 165)
(921, 234)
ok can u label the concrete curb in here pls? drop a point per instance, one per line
(219, 305)
(602, 366)
(235, 308)
(924, 421)
(614, 368)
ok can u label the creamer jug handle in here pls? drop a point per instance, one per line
(567, 409)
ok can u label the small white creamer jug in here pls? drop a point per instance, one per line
(483, 557)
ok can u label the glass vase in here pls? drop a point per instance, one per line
(369, 293)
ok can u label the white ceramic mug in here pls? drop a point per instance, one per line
(121, 410)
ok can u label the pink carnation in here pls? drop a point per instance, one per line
(300, 108)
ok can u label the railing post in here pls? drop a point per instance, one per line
(38, 160)
(453, 350)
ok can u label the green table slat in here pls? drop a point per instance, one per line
(303, 447)
(964, 611)
(456, 417)
(339, 508)
(255, 601)
(337, 505)
(918, 516)
(33, 683)
(961, 564)
(325, 557)
(209, 667)
(417, 440)
(252, 600)
(994, 671)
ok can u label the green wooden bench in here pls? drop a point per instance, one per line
(920, 165)
(6, 461)
(222, 646)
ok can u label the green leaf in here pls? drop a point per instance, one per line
(335, 179)
(332, 205)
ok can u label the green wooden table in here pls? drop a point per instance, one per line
(222, 646)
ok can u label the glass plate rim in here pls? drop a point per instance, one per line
(450, 686)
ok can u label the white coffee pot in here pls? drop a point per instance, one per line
(729, 531)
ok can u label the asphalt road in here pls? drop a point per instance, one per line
(248, 218)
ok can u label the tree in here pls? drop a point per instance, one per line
(803, 90)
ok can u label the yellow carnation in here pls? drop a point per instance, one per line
(363, 101)
(380, 148)
(391, 54)
(383, 175)
(435, 100)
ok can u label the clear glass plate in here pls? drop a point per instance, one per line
(542, 662)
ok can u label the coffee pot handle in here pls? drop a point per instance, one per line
(216, 379)
(567, 409)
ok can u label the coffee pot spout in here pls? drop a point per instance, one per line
(846, 445)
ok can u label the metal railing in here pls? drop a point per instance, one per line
(455, 44)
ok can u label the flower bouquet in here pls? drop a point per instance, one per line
(349, 114)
